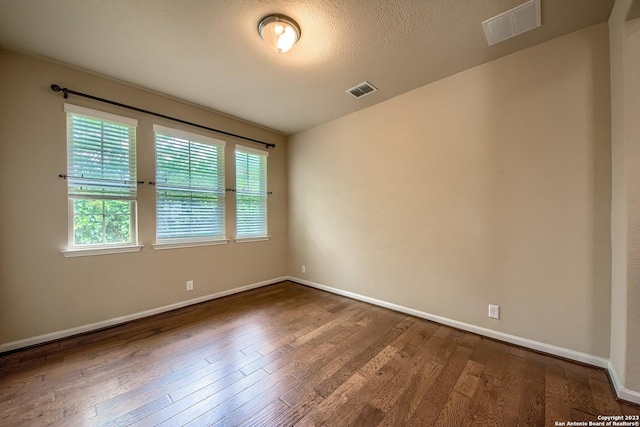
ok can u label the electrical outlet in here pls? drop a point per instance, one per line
(189, 285)
(494, 311)
(304, 269)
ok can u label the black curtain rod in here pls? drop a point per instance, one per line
(66, 92)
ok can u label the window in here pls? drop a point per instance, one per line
(251, 193)
(101, 179)
(189, 189)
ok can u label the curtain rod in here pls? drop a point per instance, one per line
(66, 92)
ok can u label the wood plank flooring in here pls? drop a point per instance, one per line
(289, 355)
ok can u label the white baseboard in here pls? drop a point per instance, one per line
(28, 342)
(524, 342)
(623, 393)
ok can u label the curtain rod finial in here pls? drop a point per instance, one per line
(56, 88)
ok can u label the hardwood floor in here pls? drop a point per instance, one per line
(291, 355)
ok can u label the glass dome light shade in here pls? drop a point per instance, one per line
(279, 31)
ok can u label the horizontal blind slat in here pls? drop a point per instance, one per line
(251, 193)
(189, 188)
(101, 157)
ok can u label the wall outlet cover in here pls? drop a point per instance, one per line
(494, 311)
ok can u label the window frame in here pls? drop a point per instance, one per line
(186, 242)
(261, 237)
(73, 249)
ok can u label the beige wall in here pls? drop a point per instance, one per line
(491, 186)
(625, 221)
(43, 292)
(632, 138)
(618, 194)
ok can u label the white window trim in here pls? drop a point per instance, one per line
(189, 136)
(245, 149)
(83, 111)
(90, 251)
(190, 244)
(105, 249)
(251, 239)
(187, 242)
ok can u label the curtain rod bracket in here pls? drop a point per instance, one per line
(66, 92)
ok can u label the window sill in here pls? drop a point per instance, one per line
(76, 252)
(252, 239)
(162, 246)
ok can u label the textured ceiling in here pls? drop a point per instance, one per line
(209, 52)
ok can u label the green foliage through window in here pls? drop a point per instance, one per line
(101, 221)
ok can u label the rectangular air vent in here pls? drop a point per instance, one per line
(513, 22)
(361, 90)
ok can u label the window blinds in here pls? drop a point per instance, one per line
(189, 187)
(101, 155)
(251, 192)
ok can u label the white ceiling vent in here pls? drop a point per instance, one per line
(512, 22)
(361, 90)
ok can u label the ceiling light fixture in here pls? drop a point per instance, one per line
(279, 31)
